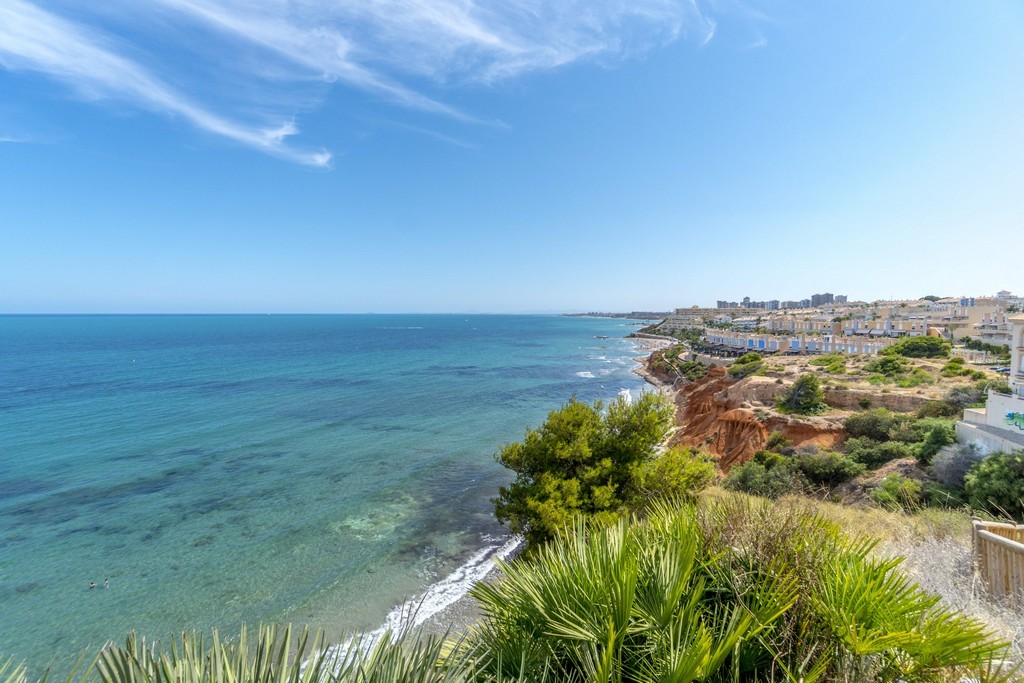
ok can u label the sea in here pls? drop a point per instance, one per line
(205, 471)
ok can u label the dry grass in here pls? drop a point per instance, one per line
(936, 547)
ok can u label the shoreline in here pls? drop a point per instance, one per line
(462, 613)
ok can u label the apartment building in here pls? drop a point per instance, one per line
(999, 426)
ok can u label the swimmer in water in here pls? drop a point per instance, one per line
(92, 584)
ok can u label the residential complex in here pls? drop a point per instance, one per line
(826, 323)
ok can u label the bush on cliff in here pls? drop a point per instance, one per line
(873, 424)
(679, 473)
(746, 365)
(805, 397)
(887, 365)
(897, 492)
(941, 433)
(872, 454)
(828, 468)
(767, 474)
(581, 461)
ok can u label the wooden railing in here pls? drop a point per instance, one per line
(999, 557)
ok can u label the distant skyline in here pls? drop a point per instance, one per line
(453, 155)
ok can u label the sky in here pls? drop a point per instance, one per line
(294, 156)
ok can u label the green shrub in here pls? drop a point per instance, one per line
(996, 484)
(937, 494)
(915, 430)
(941, 433)
(750, 357)
(828, 467)
(954, 368)
(873, 424)
(692, 370)
(772, 481)
(915, 378)
(777, 441)
(864, 403)
(896, 492)
(999, 386)
(873, 454)
(957, 368)
(678, 473)
(938, 409)
(920, 347)
(833, 363)
(888, 366)
(805, 397)
(746, 365)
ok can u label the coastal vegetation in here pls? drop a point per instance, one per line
(875, 438)
(670, 360)
(730, 590)
(595, 463)
(746, 365)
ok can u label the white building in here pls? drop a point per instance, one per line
(999, 426)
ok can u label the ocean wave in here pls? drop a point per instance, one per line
(439, 596)
(627, 395)
(585, 374)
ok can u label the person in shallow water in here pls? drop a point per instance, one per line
(92, 584)
(106, 583)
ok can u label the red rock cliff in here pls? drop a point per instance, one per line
(732, 419)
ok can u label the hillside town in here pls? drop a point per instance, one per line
(827, 323)
(986, 334)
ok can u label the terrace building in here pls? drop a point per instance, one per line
(999, 426)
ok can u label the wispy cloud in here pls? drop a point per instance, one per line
(396, 50)
(758, 42)
(13, 139)
(36, 40)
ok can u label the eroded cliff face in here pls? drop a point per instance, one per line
(732, 420)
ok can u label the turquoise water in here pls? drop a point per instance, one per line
(220, 469)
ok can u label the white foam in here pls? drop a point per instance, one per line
(437, 597)
(627, 395)
(585, 375)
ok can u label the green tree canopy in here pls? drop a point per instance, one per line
(921, 347)
(805, 397)
(582, 461)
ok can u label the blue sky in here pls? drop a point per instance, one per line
(455, 155)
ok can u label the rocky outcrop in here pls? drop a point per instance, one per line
(851, 399)
(732, 420)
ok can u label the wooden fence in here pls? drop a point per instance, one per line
(999, 556)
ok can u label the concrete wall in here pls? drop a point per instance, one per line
(998, 406)
(985, 442)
